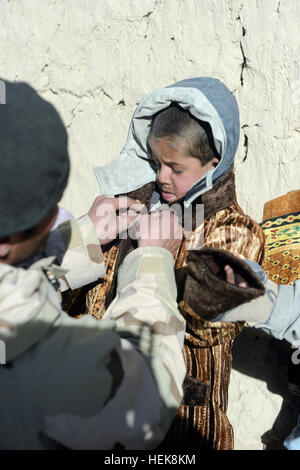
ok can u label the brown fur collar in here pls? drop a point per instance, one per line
(143, 194)
(221, 195)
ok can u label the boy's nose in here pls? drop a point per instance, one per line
(164, 175)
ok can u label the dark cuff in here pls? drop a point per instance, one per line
(206, 290)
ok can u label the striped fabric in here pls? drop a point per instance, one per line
(208, 346)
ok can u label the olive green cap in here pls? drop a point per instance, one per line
(34, 159)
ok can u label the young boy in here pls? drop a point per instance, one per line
(180, 149)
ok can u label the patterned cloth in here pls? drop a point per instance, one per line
(282, 248)
(281, 227)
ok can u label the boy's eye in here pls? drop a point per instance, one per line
(177, 172)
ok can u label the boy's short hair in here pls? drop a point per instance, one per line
(178, 123)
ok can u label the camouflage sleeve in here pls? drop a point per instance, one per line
(81, 253)
(135, 367)
(276, 312)
(284, 320)
(153, 326)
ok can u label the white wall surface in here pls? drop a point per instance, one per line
(95, 60)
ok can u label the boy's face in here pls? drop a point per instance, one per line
(176, 171)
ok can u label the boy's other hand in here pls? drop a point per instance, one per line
(159, 229)
(231, 278)
(110, 216)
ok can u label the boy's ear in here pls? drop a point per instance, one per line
(214, 162)
(5, 248)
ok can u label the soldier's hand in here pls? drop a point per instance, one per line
(159, 229)
(110, 216)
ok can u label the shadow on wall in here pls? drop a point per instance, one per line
(265, 358)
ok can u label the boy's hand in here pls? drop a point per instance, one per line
(159, 229)
(110, 216)
(230, 276)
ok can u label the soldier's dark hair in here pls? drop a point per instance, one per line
(176, 123)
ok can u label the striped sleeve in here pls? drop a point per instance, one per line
(232, 230)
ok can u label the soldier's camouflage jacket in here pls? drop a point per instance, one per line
(81, 383)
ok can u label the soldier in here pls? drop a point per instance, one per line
(78, 383)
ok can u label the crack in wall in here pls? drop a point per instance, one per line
(246, 139)
(246, 145)
(72, 117)
(87, 94)
(148, 15)
(244, 64)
